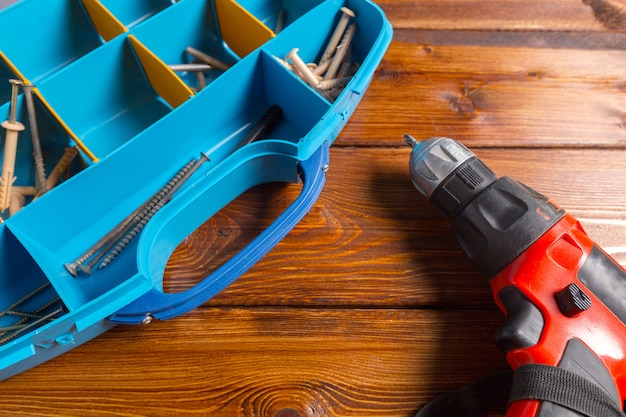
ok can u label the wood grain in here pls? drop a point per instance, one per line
(368, 307)
(372, 240)
(518, 15)
(264, 362)
(512, 97)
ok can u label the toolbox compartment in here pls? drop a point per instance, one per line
(103, 86)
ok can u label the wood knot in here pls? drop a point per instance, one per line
(611, 13)
(466, 102)
(288, 412)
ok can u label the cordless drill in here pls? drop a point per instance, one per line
(564, 298)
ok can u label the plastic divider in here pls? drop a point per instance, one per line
(103, 82)
(106, 23)
(132, 13)
(54, 143)
(278, 14)
(58, 32)
(190, 23)
(324, 18)
(241, 30)
(124, 180)
(105, 98)
(161, 77)
(6, 73)
(19, 277)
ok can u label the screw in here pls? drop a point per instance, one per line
(109, 240)
(31, 325)
(214, 62)
(72, 267)
(201, 80)
(23, 314)
(15, 87)
(40, 170)
(154, 205)
(303, 69)
(24, 299)
(346, 15)
(197, 67)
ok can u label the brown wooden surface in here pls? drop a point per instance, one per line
(368, 307)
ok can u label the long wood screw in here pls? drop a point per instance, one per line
(149, 210)
(40, 170)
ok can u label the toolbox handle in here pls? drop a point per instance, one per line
(157, 304)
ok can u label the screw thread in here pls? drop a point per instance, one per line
(150, 209)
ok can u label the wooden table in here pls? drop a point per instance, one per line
(369, 308)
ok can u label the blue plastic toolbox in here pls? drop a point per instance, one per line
(128, 124)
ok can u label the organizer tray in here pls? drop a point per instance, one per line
(108, 97)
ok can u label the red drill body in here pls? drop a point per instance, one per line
(564, 298)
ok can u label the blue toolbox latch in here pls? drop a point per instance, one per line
(159, 305)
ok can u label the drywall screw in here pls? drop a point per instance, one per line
(13, 327)
(151, 208)
(23, 322)
(72, 267)
(214, 62)
(108, 241)
(24, 299)
(32, 324)
(25, 314)
(263, 126)
(13, 127)
(342, 49)
(193, 67)
(346, 15)
(303, 70)
(40, 170)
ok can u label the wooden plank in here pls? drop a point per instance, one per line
(493, 97)
(265, 362)
(527, 15)
(502, 38)
(372, 240)
(412, 55)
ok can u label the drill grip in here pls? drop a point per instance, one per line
(559, 314)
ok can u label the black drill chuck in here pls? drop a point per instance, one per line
(494, 220)
(447, 173)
